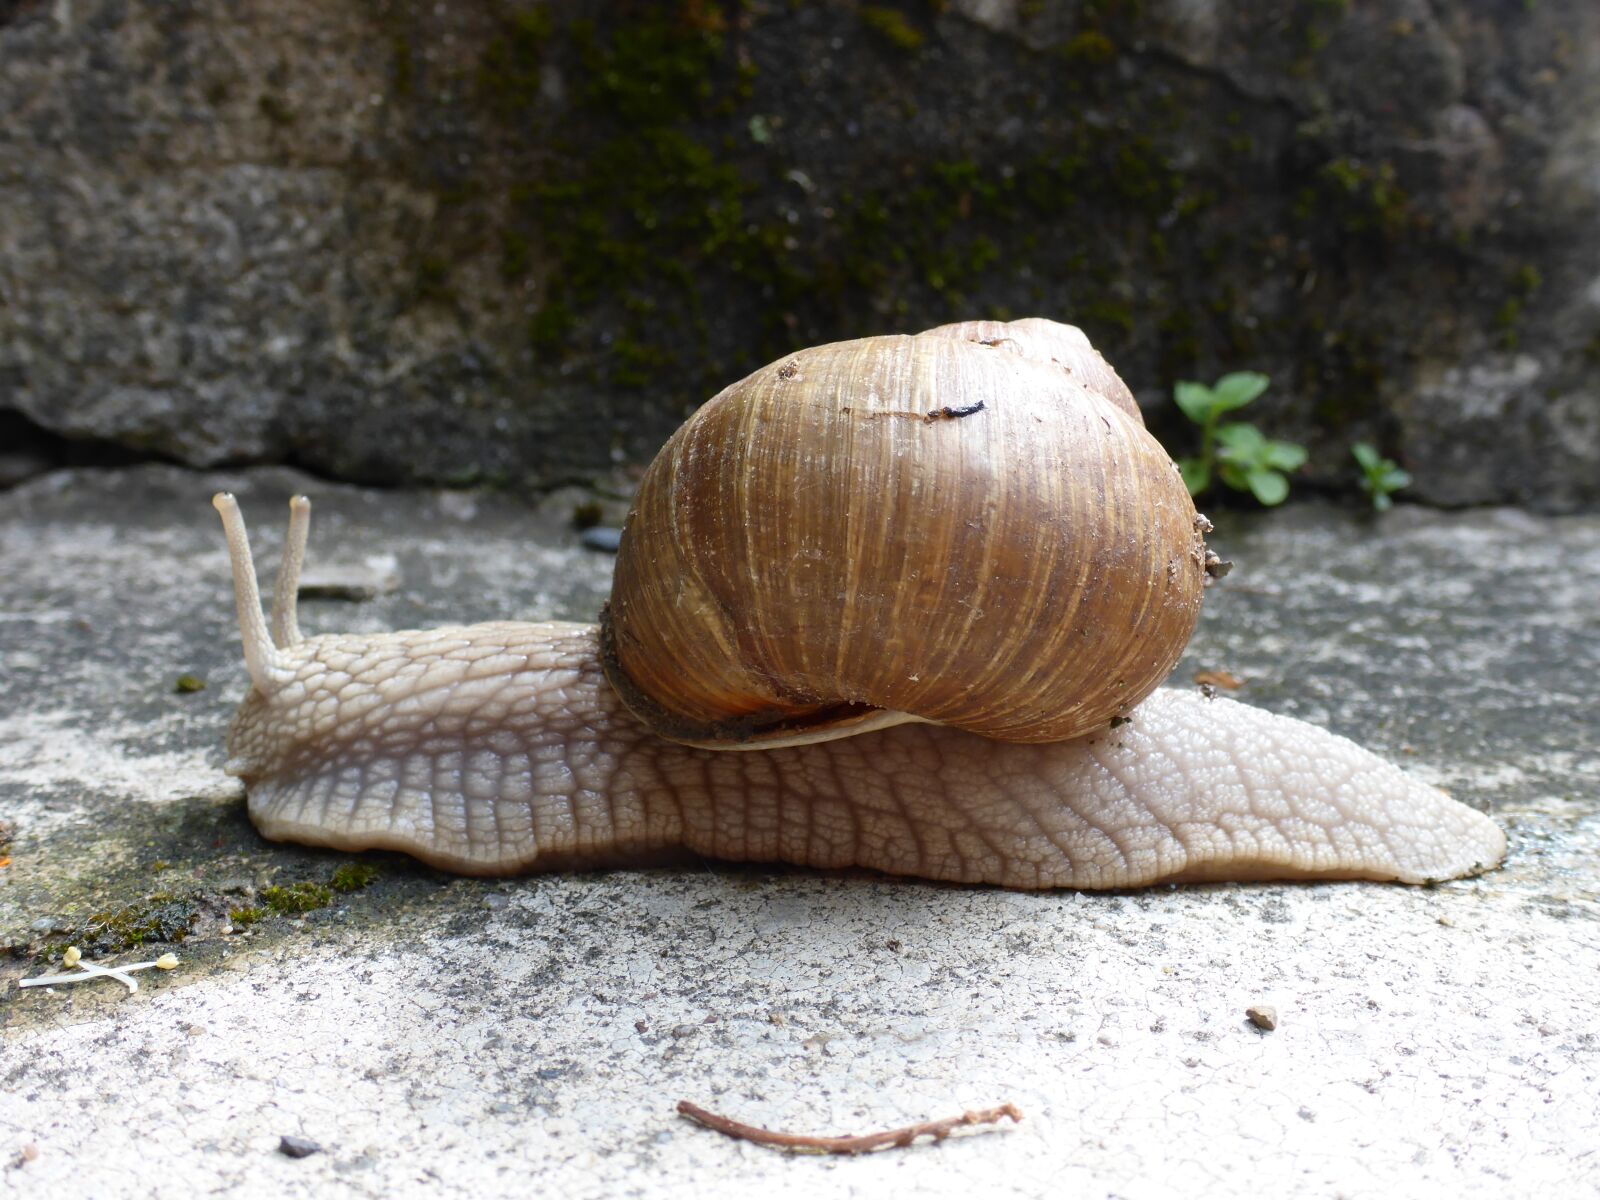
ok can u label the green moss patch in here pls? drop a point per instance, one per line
(1525, 283)
(892, 26)
(162, 917)
(296, 899)
(353, 877)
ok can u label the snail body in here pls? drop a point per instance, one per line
(510, 746)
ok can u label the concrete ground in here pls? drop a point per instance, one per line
(532, 1036)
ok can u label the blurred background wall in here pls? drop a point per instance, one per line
(507, 242)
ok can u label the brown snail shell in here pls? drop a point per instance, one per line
(970, 526)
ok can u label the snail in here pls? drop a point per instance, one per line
(900, 603)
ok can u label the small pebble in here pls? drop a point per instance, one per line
(601, 537)
(1262, 1016)
(495, 901)
(297, 1147)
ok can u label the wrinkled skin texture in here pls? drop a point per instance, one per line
(500, 748)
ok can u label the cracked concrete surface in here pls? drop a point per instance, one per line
(488, 1038)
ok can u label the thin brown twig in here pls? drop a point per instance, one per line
(851, 1143)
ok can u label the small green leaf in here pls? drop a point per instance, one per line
(1284, 456)
(1196, 474)
(1269, 487)
(1238, 389)
(1195, 399)
(1242, 443)
(1379, 476)
(1235, 476)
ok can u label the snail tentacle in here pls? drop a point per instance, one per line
(266, 664)
(286, 592)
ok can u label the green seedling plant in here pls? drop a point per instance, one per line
(1236, 452)
(1380, 477)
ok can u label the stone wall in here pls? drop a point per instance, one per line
(495, 242)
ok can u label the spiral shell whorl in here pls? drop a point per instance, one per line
(951, 528)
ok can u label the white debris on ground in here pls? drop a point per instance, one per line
(122, 972)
